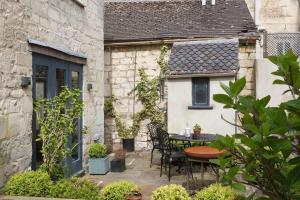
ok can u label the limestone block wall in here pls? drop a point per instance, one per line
(247, 55)
(62, 23)
(121, 76)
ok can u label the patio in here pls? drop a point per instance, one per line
(139, 171)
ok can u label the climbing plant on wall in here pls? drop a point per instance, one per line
(147, 92)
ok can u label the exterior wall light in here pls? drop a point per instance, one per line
(25, 81)
(89, 86)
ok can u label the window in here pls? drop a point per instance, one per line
(200, 92)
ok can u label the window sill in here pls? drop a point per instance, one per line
(200, 107)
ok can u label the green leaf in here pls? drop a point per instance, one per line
(225, 88)
(233, 172)
(279, 82)
(238, 86)
(238, 187)
(295, 161)
(223, 98)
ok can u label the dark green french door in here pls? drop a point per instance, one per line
(49, 76)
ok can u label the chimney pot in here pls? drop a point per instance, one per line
(213, 2)
(203, 2)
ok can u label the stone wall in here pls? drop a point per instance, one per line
(121, 75)
(121, 65)
(247, 56)
(62, 23)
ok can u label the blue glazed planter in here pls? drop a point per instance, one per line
(99, 165)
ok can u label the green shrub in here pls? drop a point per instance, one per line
(75, 188)
(118, 190)
(97, 150)
(32, 183)
(170, 192)
(215, 192)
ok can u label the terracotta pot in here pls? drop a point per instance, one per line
(135, 197)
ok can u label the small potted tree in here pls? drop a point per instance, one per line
(118, 164)
(98, 159)
(197, 130)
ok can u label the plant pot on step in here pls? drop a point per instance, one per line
(118, 165)
(128, 144)
(98, 159)
(99, 165)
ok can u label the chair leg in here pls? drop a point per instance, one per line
(151, 157)
(161, 165)
(169, 176)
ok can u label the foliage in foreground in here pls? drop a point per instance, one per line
(97, 150)
(39, 184)
(265, 154)
(118, 190)
(170, 192)
(33, 183)
(57, 118)
(215, 192)
(75, 188)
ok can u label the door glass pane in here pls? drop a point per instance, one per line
(75, 80)
(60, 79)
(75, 135)
(40, 92)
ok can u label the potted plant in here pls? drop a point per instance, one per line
(118, 164)
(135, 195)
(197, 130)
(98, 159)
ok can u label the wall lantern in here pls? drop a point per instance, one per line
(25, 81)
(89, 86)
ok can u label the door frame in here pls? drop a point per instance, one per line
(75, 166)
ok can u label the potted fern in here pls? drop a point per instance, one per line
(98, 159)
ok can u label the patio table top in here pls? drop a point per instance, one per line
(204, 137)
(203, 152)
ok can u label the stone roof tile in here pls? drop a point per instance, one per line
(203, 57)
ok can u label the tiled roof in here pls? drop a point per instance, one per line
(204, 57)
(134, 20)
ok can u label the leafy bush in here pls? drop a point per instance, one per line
(57, 126)
(75, 188)
(170, 192)
(33, 183)
(118, 190)
(97, 150)
(266, 152)
(215, 192)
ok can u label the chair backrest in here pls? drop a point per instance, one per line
(164, 140)
(152, 127)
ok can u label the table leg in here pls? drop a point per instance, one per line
(202, 171)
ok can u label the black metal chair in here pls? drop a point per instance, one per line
(152, 127)
(170, 153)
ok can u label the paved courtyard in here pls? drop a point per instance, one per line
(139, 171)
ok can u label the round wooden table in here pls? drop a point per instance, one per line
(201, 154)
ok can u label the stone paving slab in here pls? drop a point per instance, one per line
(147, 178)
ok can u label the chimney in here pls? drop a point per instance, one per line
(203, 2)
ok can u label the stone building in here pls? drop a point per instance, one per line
(45, 44)
(133, 33)
(278, 24)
